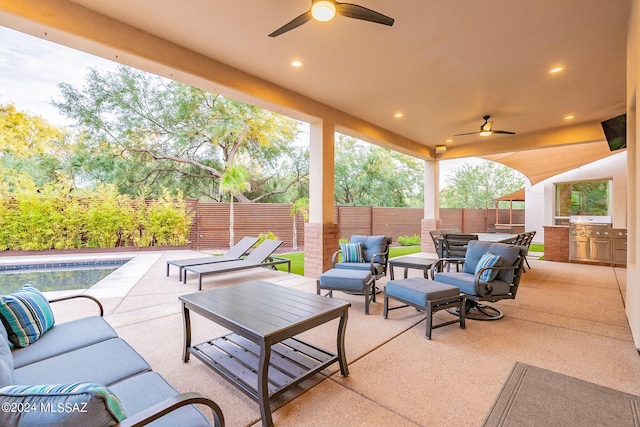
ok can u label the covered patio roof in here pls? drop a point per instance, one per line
(409, 87)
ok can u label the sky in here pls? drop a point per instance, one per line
(32, 68)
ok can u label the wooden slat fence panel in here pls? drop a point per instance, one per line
(211, 222)
(394, 222)
(354, 220)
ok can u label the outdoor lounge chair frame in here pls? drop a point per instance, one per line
(233, 254)
(259, 257)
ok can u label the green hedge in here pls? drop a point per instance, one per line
(51, 218)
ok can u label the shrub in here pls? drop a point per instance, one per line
(51, 218)
(414, 240)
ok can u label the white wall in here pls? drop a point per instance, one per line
(540, 198)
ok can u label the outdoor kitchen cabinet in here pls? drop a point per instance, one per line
(620, 246)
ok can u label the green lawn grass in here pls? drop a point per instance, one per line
(297, 258)
(536, 247)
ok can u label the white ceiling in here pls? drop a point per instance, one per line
(443, 64)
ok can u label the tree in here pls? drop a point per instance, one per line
(142, 130)
(30, 145)
(22, 134)
(368, 175)
(299, 207)
(234, 182)
(474, 186)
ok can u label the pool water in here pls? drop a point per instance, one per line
(69, 277)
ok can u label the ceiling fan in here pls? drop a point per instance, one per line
(325, 10)
(487, 129)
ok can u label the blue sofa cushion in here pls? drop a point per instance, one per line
(76, 404)
(26, 315)
(6, 363)
(147, 389)
(508, 253)
(65, 337)
(488, 260)
(371, 245)
(466, 283)
(418, 290)
(351, 252)
(106, 362)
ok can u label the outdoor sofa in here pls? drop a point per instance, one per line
(80, 373)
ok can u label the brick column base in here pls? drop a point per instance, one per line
(426, 225)
(320, 242)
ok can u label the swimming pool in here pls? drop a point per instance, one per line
(58, 276)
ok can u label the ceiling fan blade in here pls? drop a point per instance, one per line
(506, 132)
(470, 133)
(359, 12)
(295, 23)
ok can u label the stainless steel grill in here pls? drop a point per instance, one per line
(590, 238)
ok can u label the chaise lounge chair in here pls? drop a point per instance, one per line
(259, 257)
(232, 254)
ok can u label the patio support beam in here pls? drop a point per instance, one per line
(431, 219)
(321, 232)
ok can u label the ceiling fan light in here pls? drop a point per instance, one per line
(323, 10)
(485, 133)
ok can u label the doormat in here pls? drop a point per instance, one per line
(533, 396)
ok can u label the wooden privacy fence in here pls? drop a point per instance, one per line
(210, 229)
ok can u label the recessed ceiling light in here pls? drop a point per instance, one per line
(449, 140)
(556, 70)
(398, 115)
(569, 117)
(296, 64)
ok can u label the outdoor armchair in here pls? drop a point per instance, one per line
(372, 255)
(491, 272)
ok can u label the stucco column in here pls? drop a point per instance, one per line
(321, 232)
(431, 219)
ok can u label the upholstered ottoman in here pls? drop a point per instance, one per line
(344, 280)
(425, 295)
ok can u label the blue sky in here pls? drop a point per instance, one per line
(32, 68)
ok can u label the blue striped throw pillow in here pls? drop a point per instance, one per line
(66, 404)
(26, 314)
(351, 252)
(488, 260)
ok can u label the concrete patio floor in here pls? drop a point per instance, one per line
(567, 318)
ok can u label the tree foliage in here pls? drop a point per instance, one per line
(139, 130)
(23, 134)
(30, 145)
(368, 175)
(474, 186)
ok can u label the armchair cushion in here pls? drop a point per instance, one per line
(488, 260)
(371, 245)
(26, 315)
(466, 283)
(75, 404)
(379, 269)
(351, 252)
(508, 253)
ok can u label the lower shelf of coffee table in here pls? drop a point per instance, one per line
(237, 359)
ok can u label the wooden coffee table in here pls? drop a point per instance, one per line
(261, 356)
